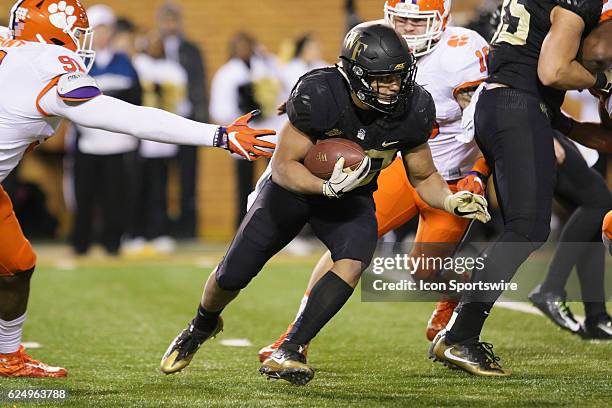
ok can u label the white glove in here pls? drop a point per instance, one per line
(342, 181)
(467, 205)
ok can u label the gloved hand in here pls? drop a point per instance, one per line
(342, 181)
(604, 81)
(239, 138)
(467, 205)
(474, 182)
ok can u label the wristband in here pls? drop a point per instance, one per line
(220, 138)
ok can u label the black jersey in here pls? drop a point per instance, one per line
(320, 106)
(515, 48)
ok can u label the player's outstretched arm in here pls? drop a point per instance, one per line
(432, 188)
(114, 115)
(557, 65)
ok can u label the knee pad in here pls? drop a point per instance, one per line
(533, 231)
(231, 278)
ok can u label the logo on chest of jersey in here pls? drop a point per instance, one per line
(361, 134)
(334, 133)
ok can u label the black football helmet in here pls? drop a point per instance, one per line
(374, 52)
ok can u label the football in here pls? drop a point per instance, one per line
(322, 157)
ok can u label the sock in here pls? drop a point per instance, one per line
(10, 334)
(469, 321)
(206, 321)
(326, 298)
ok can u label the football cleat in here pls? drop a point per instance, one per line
(20, 364)
(267, 351)
(440, 317)
(598, 329)
(473, 357)
(287, 365)
(184, 346)
(554, 307)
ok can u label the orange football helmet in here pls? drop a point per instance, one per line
(59, 22)
(436, 13)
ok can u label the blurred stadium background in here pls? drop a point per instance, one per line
(274, 24)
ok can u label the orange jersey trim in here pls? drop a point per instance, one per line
(42, 93)
(606, 16)
(465, 85)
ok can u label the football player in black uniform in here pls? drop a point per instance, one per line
(532, 60)
(371, 99)
(586, 192)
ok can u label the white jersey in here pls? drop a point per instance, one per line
(28, 70)
(459, 61)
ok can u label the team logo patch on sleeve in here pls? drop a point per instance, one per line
(77, 86)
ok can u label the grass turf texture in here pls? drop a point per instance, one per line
(110, 322)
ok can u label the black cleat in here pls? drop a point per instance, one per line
(473, 357)
(554, 307)
(287, 365)
(599, 328)
(184, 346)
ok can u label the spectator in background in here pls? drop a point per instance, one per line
(102, 160)
(124, 40)
(164, 84)
(177, 48)
(249, 80)
(306, 57)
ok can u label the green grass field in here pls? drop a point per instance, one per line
(109, 323)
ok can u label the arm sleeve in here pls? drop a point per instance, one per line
(114, 115)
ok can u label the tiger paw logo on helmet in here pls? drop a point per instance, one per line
(61, 15)
(58, 22)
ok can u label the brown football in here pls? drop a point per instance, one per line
(320, 160)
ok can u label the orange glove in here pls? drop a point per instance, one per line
(239, 138)
(476, 180)
(472, 183)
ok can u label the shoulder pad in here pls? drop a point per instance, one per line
(589, 10)
(311, 107)
(77, 86)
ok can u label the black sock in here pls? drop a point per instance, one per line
(326, 298)
(469, 322)
(206, 321)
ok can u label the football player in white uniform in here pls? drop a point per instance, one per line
(43, 77)
(451, 65)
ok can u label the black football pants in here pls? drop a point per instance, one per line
(347, 227)
(516, 138)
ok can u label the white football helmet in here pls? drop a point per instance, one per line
(436, 13)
